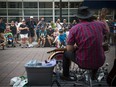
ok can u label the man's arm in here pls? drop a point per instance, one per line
(70, 48)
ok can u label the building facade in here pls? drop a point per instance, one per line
(16, 9)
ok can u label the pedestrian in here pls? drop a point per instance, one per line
(24, 34)
(65, 24)
(2, 29)
(58, 24)
(31, 25)
(2, 25)
(13, 29)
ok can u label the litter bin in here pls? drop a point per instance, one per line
(39, 74)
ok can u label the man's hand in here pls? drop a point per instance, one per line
(70, 48)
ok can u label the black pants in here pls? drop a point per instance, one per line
(67, 58)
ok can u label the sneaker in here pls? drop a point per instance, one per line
(70, 78)
(30, 46)
(42, 46)
(38, 46)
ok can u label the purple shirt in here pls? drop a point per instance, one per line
(89, 37)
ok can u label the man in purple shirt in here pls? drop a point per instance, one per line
(84, 44)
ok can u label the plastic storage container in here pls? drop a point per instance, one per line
(39, 74)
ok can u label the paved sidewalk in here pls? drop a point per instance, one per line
(12, 61)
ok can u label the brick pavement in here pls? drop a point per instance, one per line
(12, 61)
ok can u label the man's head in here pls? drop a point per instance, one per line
(23, 21)
(64, 21)
(31, 18)
(84, 13)
(61, 31)
(42, 18)
(12, 22)
(50, 27)
(58, 20)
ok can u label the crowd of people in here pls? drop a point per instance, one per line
(26, 32)
(55, 34)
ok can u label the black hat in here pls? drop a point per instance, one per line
(84, 12)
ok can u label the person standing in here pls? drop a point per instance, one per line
(13, 29)
(65, 24)
(24, 33)
(43, 23)
(2, 29)
(84, 44)
(18, 31)
(31, 25)
(2, 26)
(58, 24)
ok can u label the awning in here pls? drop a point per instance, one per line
(98, 4)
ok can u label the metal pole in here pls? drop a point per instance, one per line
(53, 11)
(7, 9)
(68, 11)
(22, 9)
(60, 9)
(38, 9)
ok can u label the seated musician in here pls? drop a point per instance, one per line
(88, 36)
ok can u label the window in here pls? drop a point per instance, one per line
(30, 5)
(57, 12)
(64, 4)
(30, 12)
(2, 12)
(14, 12)
(75, 4)
(57, 4)
(14, 5)
(45, 12)
(45, 4)
(13, 19)
(2, 4)
(48, 19)
(73, 12)
(64, 11)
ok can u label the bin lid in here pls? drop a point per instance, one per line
(35, 63)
